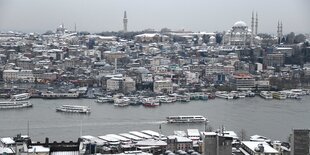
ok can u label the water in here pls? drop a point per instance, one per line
(272, 118)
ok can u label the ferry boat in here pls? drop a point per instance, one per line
(52, 95)
(73, 109)
(20, 97)
(15, 104)
(266, 95)
(186, 119)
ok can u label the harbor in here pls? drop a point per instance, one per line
(276, 117)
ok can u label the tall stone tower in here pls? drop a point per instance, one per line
(125, 21)
(256, 24)
(252, 28)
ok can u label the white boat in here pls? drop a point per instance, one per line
(105, 100)
(14, 104)
(224, 95)
(73, 109)
(266, 95)
(165, 99)
(186, 119)
(20, 97)
(121, 102)
(150, 102)
(279, 95)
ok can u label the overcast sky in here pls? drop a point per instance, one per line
(195, 15)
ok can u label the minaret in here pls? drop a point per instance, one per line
(256, 24)
(125, 21)
(252, 28)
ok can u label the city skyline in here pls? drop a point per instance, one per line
(97, 16)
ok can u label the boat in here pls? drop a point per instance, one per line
(121, 102)
(73, 109)
(180, 98)
(224, 95)
(150, 102)
(52, 95)
(165, 99)
(20, 97)
(279, 95)
(186, 119)
(266, 95)
(15, 104)
(104, 100)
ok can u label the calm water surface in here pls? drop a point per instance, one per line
(272, 118)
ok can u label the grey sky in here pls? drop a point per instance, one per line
(195, 15)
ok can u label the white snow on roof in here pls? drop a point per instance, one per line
(7, 140)
(151, 142)
(38, 149)
(193, 132)
(179, 138)
(252, 145)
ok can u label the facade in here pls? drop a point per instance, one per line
(175, 143)
(114, 84)
(129, 85)
(300, 142)
(163, 86)
(242, 81)
(14, 75)
(216, 144)
(191, 77)
(274, 59)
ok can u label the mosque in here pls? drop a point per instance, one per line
(241, 35)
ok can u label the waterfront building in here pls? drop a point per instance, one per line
(242, 81)
(163, 86)
(216, 144)
(114, 84)
(300, 142)
(129, 85)
(175, 143)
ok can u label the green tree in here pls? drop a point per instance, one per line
(290, 38)
(299, 38)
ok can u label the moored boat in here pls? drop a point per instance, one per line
(20, 97)
(150, 102)
(73, 109)
(266, 95)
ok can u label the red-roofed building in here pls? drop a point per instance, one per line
(242, 81)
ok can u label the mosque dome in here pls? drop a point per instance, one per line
(240, 24)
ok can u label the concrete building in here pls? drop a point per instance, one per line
(214, 68)
(129, 85)
(163, 86)
(191, 77)
(274, 59)
(175, 143)
(300, 142)
(216, 144)
(242, 81)
(114, 84)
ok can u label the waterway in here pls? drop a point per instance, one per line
(272, 118)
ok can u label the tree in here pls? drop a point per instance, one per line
(242, 134)
(299, 38)
(290, 38)
(206, 38)
(219, 38)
